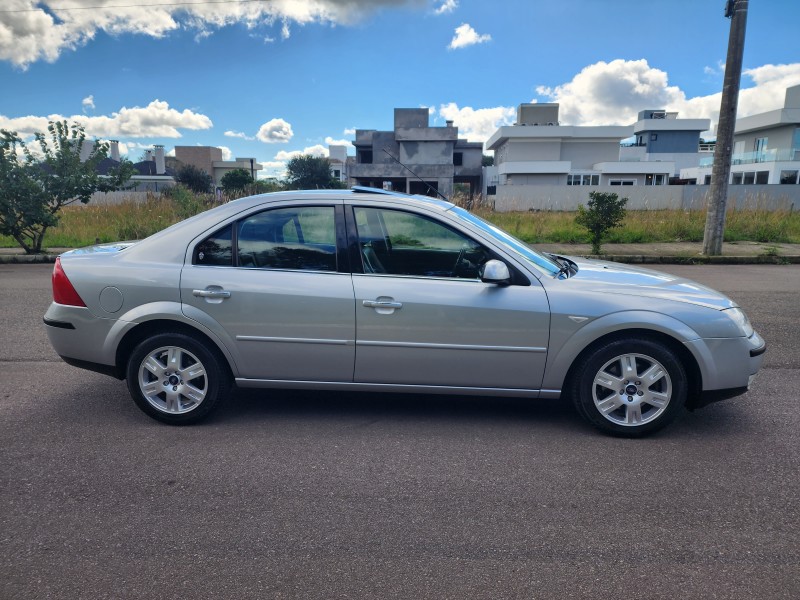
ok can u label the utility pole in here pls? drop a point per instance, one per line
(736, 10)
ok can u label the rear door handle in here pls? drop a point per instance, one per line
(212, 294)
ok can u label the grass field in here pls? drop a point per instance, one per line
(86, 225)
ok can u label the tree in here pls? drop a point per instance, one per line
(605, 212)
(487, 161)
(236, 180)
(306, 172)
(195, 179)
(33, 189)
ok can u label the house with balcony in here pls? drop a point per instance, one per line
(416, 158)
(537, 160)
(660, 136)
(766, 148)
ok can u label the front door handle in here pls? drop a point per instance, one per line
(379, 303)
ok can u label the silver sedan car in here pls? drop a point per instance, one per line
(376, 291)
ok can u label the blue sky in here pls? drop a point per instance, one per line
(272, 78)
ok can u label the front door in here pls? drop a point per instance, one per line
(424, 318)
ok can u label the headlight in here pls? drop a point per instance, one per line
(737, 314)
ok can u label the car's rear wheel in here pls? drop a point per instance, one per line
(630, 387)
(175, 379)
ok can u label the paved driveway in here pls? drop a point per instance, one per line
(311, 495)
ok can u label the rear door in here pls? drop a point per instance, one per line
(276, 288)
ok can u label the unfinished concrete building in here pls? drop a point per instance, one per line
(438, 158)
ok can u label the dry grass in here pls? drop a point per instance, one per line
(86, 225)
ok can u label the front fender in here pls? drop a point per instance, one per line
(567, 341)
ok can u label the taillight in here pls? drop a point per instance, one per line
(63, 292)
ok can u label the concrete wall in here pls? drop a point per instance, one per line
(410, 117)
(426, 153)
(585, 154)
(778, 138)
(525, 151)
(682, 197)
(202, 157)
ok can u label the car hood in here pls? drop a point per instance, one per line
(605, 277)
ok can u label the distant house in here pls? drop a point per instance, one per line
(538, 151)
(660, 136)
(209, 159)
(337, 156)
(433, 158)
(766, 148)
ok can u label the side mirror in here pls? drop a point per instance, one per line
(495, 271)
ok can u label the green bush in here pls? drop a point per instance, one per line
(606, 211)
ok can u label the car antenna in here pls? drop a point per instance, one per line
(428, 185)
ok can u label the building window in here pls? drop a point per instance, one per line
(762, 177)
(587, 179)
(458, 158)
(491, 190)
(749, 178)
(622, 182)
(337, 173)
(365, 157)
(653, 137)
(655, 179)
(760, 149)
(789, 177)
(736, 179)
(707, 180)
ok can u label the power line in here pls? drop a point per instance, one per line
(22, 10)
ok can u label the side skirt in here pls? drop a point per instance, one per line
(394, 388)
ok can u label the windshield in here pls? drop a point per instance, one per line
(511, 243)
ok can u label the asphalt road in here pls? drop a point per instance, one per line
(311, 495)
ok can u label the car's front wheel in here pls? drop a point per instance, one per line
(175, 379)
(630, 387)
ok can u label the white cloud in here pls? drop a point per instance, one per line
(465, 36)
(40, 31)
(238, 134)
(156, 120)
(332, 142)
(88, 103)
(226, 152)
(614, 92)
(316, 150)
(477, 125)
(275, 131)
(447, 6)
(349, 131)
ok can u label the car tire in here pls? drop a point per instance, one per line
(630, 388)
(175, 379)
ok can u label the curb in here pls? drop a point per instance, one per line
(761, 259)
(27, 258)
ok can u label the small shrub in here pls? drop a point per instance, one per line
(606, 211)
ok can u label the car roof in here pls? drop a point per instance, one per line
(366, 193)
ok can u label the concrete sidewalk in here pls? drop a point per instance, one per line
(664, 253)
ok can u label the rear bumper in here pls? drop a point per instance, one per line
(80, 338)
